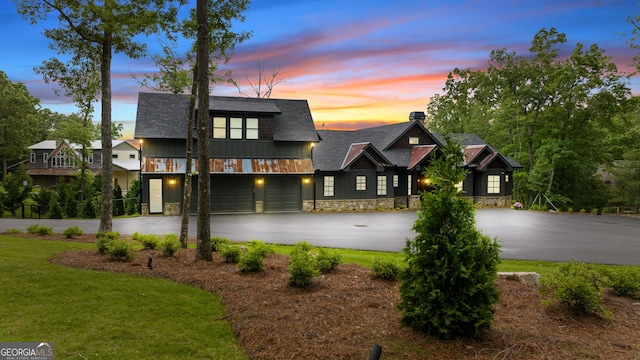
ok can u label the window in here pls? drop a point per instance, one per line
(235, 128)
(506, 178)
(408, 184)
(252, 128)
(219, 128)
(132, 156)
(382, 185)
(414, 141)
(361, 182)
(329, 186)
(493, 184)
(90, 158)
(45, 157)
(32, 158)
(395, 181)
(62, 160)
(114, 156)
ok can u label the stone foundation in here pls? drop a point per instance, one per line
(172, 209)
(501, 201)
(350, 205)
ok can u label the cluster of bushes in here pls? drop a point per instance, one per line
(249, 258)
(80, 197)
(40, 230)
(581, 286)
(307, 263)
(117, 248)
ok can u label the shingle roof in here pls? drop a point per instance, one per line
(164, 116)
(335, 146)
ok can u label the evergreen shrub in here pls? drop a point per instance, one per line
(448, 288)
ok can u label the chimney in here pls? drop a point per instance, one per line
(417, 116)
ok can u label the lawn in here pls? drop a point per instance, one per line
(98, 315)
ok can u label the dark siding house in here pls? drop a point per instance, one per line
(266, 156)
(259, 154)
(383, 167)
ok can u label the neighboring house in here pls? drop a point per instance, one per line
(259, 154)
(383, 167)
(50, 160)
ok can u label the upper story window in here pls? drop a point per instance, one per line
(132, 156)
(32, 158)
(219, 127)
(236, 128)
(62, 160)
(114, 156)
(414, 141)
(45, 157)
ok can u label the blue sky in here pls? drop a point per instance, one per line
(358, 63)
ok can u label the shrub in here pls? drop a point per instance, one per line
(40, 230)
(576, 285)
(170, 245)
(120, 249)
(625, 281)
(13, 231)
(104, 240)
(149, 241)
(302, 268)
(55, 209)
(386, 268)
(448, 288)
(231, 253)
(218, 242)
(72, 232)
(327, 260)
(259, 247)
(251, 261)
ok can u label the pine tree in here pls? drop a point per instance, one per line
(448, 289)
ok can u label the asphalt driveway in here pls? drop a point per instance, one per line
(523, 235)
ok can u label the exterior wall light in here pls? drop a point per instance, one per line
(259, 181)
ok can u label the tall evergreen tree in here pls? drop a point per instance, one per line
(448, 290)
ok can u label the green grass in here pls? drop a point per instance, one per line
(100, 315)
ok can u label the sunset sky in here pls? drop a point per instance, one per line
(358, 63)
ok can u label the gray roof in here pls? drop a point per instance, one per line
(164, 116)
(329, 154)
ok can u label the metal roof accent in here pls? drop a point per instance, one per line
(419, 153)
(230, 166)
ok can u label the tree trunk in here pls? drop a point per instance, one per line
(106, 215)
(203, 246)
(186, 201)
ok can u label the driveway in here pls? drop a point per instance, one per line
(523, 235)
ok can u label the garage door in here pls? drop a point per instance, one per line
(229, 194)
(283, 193)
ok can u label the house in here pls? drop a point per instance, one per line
(259, 154)
(50, 160)
(265, 155)
(383, 167)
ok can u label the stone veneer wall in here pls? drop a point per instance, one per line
(493, 200)
(348, 205)
(172, 209)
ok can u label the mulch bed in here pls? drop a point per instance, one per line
(346, 311)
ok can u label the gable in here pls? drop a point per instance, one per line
(363, 156)
(415, 130)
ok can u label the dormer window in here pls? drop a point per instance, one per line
(414, 141)
(236, 128)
